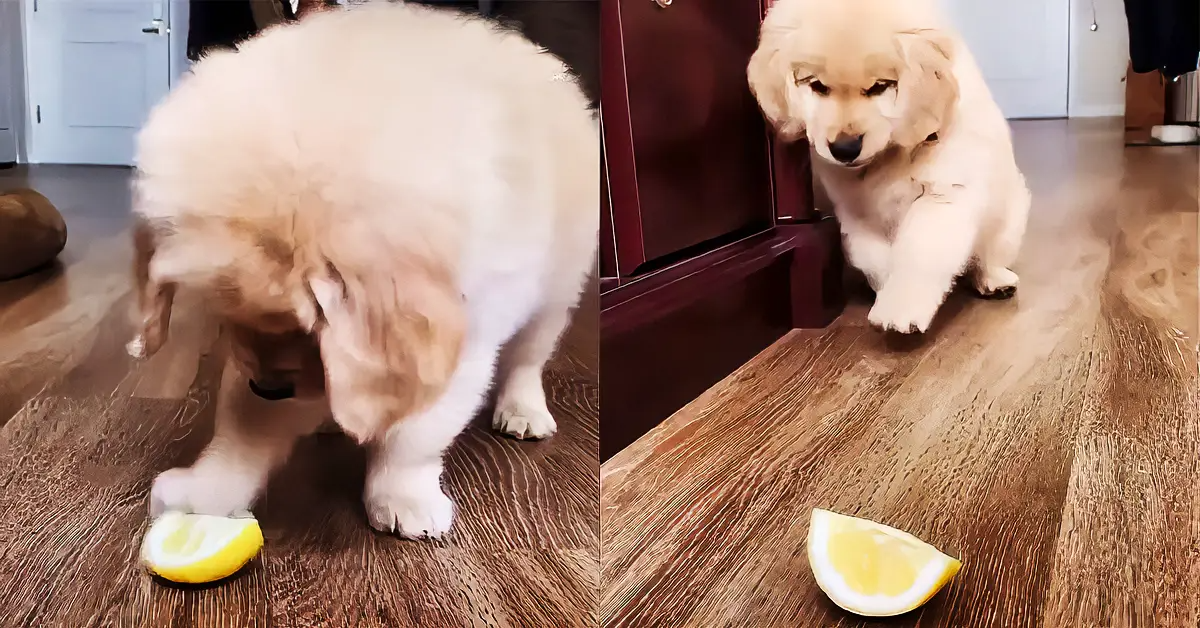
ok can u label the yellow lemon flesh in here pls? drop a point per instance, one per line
(200, 548)
(872, 570)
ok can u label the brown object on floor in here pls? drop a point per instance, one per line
(32, 232)
(1145, 99)
(1051, 441)
(84, 429)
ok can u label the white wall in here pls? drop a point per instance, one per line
(1022, 48)
(1098, 59)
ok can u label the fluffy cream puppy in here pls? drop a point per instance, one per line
(914, 153)
(373, 203)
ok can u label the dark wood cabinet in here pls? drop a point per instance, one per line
(701, 149)
(710, 248)
(608, 244)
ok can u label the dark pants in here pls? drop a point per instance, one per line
(218, 24)
(1164, 35)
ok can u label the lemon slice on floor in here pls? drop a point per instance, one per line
(200, 548)
(872, 570)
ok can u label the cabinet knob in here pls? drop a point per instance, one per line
(663, 3)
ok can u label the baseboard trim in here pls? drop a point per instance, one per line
(1097, 111)
(667, 338)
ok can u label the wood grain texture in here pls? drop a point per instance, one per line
(84, 429)
(669, 335)
(1051, 441)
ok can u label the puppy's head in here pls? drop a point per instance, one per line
(854, 76)
(390, 336)
(380, 336)
(246, 276)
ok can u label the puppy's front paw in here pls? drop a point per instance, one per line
(414, 510)
(187, 490)
(905, 309)
(524, 421)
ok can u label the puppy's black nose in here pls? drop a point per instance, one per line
(846, 148)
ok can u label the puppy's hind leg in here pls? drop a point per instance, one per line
(521, 409)
(992, 274)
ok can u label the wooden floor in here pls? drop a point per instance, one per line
(1052, 441)
(84, 429)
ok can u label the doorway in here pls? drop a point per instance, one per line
(94, 70)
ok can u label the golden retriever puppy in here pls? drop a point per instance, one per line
(914, 153)
(374, 203)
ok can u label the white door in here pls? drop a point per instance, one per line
(1022, 46)
(96, 67)
(8, 55)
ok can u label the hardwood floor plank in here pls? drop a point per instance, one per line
(1050, 441)
(90, 428)
(75, 473)
(1130, 537)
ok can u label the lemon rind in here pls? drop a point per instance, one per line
(931, 579)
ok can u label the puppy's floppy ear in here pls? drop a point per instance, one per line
(166, 256)
(771, 78)
(154, 295)
(928, 89)
(390, 339)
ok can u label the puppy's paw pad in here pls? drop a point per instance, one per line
(524, 422)
(415, 515)
(999, 294)
(997, 283)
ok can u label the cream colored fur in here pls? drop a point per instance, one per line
(935, 191)
(411, 189)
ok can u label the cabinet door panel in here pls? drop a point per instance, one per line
(608, 250)
(700, 146)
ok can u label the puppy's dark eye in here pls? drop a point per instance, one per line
(818, 87)
(879, 88)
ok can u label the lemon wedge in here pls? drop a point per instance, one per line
(872, 570)
(200, 548)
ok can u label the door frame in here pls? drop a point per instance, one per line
(175, 15)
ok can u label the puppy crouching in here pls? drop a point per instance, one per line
(379, 338)
(913, 152)
(396, 251)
